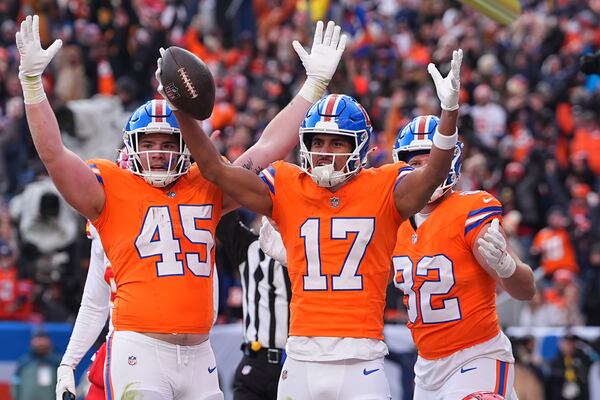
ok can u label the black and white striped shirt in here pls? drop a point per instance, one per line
(265, 284)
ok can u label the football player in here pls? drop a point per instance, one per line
(448, 259)
(338, 222)
(98, 294)
(156, 221)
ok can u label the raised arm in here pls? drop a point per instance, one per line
(281, 134)
(241, 185)
(72, 177)
(497, 258)
(414, 191)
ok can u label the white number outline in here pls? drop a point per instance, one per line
(407, 285)
(189, 231)
(422, 268)
(314, 279)
(192, 259)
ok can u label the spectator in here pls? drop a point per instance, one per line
(489, 118)
(563, 297)
(16, 295)
(554, 245)
(35, 377)
(46, 222)
(591, 287)
(568, 378)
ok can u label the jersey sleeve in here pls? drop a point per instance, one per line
(94, 308)
(270, 177)
(403, 170)
(483, 210)
(105, 171)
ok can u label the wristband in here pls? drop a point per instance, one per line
(444, 142)
(33, 89)
(312, 90)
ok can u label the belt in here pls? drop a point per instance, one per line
(272, 355)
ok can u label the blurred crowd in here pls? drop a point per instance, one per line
(529, 120)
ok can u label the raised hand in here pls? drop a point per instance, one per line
(324, 57)
(492, 247)
(448, 88)
(34, 59)
(160, 89)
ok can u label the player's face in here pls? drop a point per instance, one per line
(418, 160)
(154, 148)
(326, 143)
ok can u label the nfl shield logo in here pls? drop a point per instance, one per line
(334, 202)
(414, 238)
(284, 375)
(132, 360)
(246, 369)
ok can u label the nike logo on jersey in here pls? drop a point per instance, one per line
(211, 370)
(463, 369)
(369, 371)
(488, 199)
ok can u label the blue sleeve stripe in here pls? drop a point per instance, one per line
(407, 168)
(271, 171)
(481, 221)
(485, 209)
(267, 181)
(402, 172)
(96, 171)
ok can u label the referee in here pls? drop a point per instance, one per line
(266, 296)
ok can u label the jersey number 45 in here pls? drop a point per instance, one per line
(157, 238)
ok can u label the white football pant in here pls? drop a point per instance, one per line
(333, 380)
(144, 368)
(480, 374)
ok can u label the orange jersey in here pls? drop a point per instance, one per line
(450, 298)
(339, 245)
(556, 250)
(161, 247)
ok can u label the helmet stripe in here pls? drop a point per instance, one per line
(330, 106)
(159, 111)
(422, 123)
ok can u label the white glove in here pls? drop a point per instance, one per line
(65, 378)
(34, 59)
(492, 246)
(448, 88)
(271, 243)
(321, 63)
(160, 89)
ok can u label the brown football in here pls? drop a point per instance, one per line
(187, 82)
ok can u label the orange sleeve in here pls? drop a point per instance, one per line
(268, 176)
(483, 210)
(105, 171)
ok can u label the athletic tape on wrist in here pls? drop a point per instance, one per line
(33, 89)
(444, 142)
(313, 89)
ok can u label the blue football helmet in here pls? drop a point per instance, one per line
(155, 116)
(335, 114)
(415, 138)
